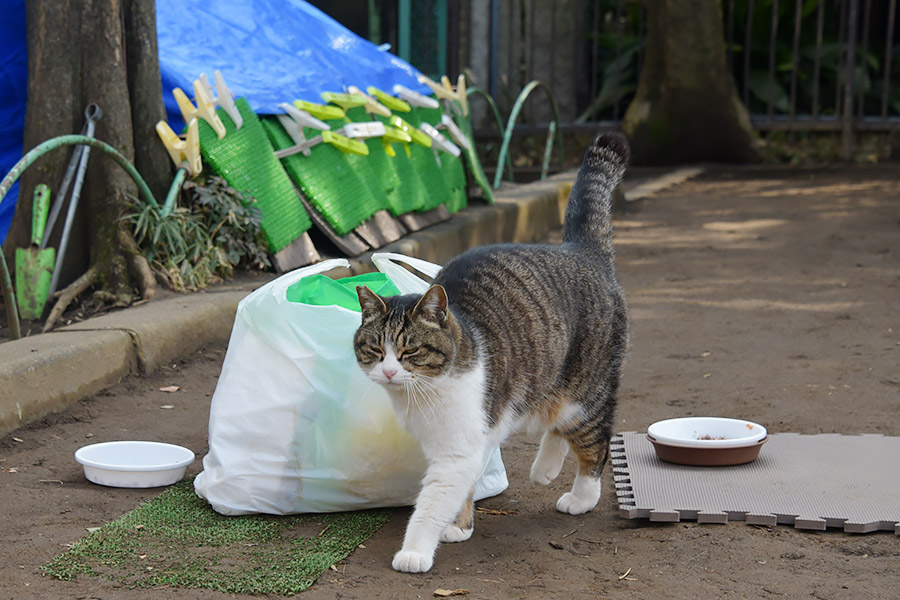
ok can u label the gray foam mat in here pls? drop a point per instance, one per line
(809, 481)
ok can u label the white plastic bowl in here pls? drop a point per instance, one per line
(692, 432)
(134, 464)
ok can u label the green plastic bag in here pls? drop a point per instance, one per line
(320, 290)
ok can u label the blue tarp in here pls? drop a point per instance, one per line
(13, 81)
(269, 51)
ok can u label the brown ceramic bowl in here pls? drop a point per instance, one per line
(707, 457)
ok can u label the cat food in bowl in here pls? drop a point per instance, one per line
(133, 464)
(707, 441)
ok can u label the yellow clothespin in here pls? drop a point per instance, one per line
(320, 111)
(344, 144)
(441, 91)
(415, 98)
(395, 104)
(417, 136)
(462, 95)
(393, 135)
(223, 98)
(205, 109)
(345, 101)
(184, 153)
(372, 106)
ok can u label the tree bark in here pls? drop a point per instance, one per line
(686, 108)
(82, 52)
(145, 87)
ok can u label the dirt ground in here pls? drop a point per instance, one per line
(767, 294)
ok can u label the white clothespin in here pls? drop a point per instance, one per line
(457, 135)
(294, 122)
(415, 98)
(223, 98)
(362, 130)
(439, 141)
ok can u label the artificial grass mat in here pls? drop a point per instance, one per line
(177, 540)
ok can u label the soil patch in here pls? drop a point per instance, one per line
(766, 294)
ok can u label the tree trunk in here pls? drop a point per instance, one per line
(686, 108)
(77, 56)
(106, 84)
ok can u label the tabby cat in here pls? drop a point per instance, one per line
(508, 335)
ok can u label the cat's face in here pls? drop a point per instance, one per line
(404, 341)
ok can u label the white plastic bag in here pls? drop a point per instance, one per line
(295, 426)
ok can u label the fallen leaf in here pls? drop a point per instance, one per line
(169, 388)
(442, 593)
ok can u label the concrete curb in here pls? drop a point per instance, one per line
(46, 373)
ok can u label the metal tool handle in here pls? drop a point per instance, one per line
(92, 114)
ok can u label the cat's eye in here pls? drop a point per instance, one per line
(406, 354)
(372, 353)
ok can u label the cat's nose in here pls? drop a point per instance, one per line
(389, 373)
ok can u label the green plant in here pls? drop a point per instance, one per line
(201, 242)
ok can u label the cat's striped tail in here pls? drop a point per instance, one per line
(588, 214)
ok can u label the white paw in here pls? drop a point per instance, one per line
(408, 561)
(572, 504)
(452, 533)
(544, 473)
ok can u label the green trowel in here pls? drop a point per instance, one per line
(34, 265)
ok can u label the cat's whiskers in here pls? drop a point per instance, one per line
(427, 393)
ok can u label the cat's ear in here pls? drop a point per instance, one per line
(369, 301)
(432, 306)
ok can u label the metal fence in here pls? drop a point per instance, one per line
(826, 65)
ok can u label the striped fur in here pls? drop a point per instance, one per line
(508, 335)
